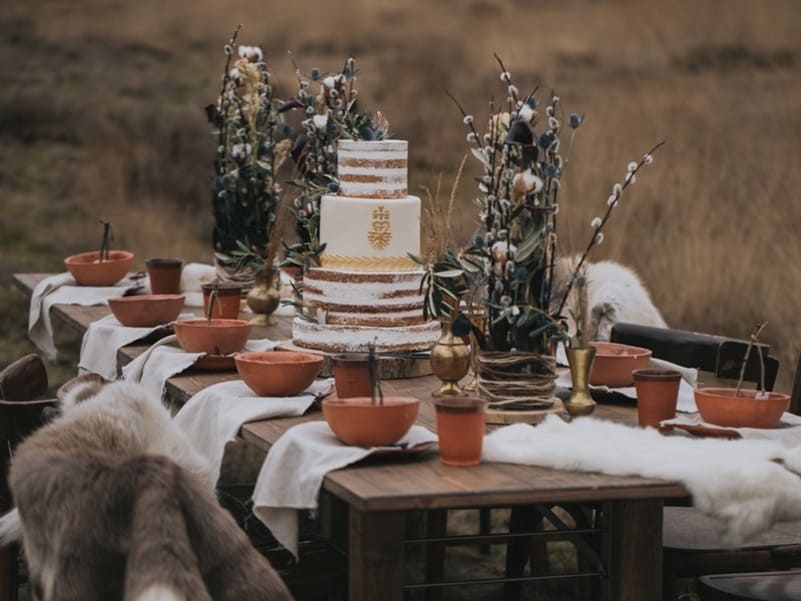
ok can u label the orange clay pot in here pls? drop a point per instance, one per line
(226, 306)
(657, 394)
(89, 270)
(278, 373)
(165, 275)
(214, 337)
(361, 423)
(719, 406)
(614, 363)
(146, 310)
(352, 375)
(460, 428)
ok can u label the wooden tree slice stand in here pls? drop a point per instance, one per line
(392, 368)
(526, 416)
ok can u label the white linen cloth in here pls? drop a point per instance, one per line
(62, 289)
(212, 418)
(293, 473)
(788, 432)
(103, 339)
(689, 380)
(737, 481)
(161, 361)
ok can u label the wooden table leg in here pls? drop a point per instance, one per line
(636, 530)
(5, 574)
(375, 556)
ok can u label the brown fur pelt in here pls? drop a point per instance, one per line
(101, 523)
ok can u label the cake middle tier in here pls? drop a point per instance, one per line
(369, 234)
(365, 299)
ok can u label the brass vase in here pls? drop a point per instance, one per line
(478, 320)
(580, 401)
(265, 296)
(450, 361)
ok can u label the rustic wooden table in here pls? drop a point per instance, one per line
(380, 495)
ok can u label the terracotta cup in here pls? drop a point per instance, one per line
(460, 428)
(657, 394)
(352, 375)
(165, 275)
(226, 304)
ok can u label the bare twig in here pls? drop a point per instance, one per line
(752, 340)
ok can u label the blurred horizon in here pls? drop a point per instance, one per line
(102, 116)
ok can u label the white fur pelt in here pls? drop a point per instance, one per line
(121, 419)
(737, 481)
(614, 294)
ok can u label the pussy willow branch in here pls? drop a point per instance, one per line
(464, 114)
(606, 216)
(226, 78)
(513, 97)
(551, 256)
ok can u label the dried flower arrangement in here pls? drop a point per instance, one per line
(252, 144)
(330, 114)
(513, 256)
(521, 153)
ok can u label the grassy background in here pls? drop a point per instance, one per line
(101, 116)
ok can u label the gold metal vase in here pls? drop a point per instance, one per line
(478, 319)
(264, 298)
(450, 361)
(580, 361)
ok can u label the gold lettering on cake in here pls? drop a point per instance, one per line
(380, 235)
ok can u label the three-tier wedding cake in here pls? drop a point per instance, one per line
(367, 290)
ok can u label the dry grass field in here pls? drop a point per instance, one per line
(101, 116)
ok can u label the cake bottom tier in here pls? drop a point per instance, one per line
(349, 338)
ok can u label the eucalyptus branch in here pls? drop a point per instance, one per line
(630, 178)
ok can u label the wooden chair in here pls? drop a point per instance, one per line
(752, 586)
(691, 541)
(321, 572)
(20, 414)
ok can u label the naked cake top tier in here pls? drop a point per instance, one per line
(372, 169)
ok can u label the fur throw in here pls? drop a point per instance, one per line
(114, 503)
(738, 481)
(614, 294)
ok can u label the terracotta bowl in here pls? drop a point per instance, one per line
(614, 363)
(359, 422)
(278, 373)
(215, 337)
(146, 310)
(719, 406)
(89, 270)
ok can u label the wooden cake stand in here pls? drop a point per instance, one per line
(393, 367)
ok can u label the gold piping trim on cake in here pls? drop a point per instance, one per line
(367, 263)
